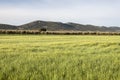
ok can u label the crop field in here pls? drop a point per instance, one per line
(59, 57)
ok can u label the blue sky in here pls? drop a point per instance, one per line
(96, 12)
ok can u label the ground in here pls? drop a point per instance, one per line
(59, 57)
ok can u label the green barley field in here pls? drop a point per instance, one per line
(59, 57)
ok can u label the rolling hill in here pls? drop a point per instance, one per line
(58, 26)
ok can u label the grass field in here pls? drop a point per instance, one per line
(59, 57)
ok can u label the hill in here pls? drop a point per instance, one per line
(8, 27)
(58, 26)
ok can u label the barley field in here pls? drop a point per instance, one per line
(59, 57)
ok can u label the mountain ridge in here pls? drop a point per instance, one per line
(59, 26)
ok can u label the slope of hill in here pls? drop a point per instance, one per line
(52, 26)
(58, 26)
(8, 27)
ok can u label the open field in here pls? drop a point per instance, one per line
(59, 57)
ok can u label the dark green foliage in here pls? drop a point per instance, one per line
(43, 29)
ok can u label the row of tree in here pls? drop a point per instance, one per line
(57, 32)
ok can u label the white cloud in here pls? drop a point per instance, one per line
(66, 11)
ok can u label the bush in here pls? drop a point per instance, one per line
(43, 29)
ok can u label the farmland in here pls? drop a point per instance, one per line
(59, 57)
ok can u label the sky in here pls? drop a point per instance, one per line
(95, 12)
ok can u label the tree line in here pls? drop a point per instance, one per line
(57, 32)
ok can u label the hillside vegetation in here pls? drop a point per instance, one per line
(59, 57)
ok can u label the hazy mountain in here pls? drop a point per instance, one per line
(52, 26)
(58, 26)
(8, 27)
